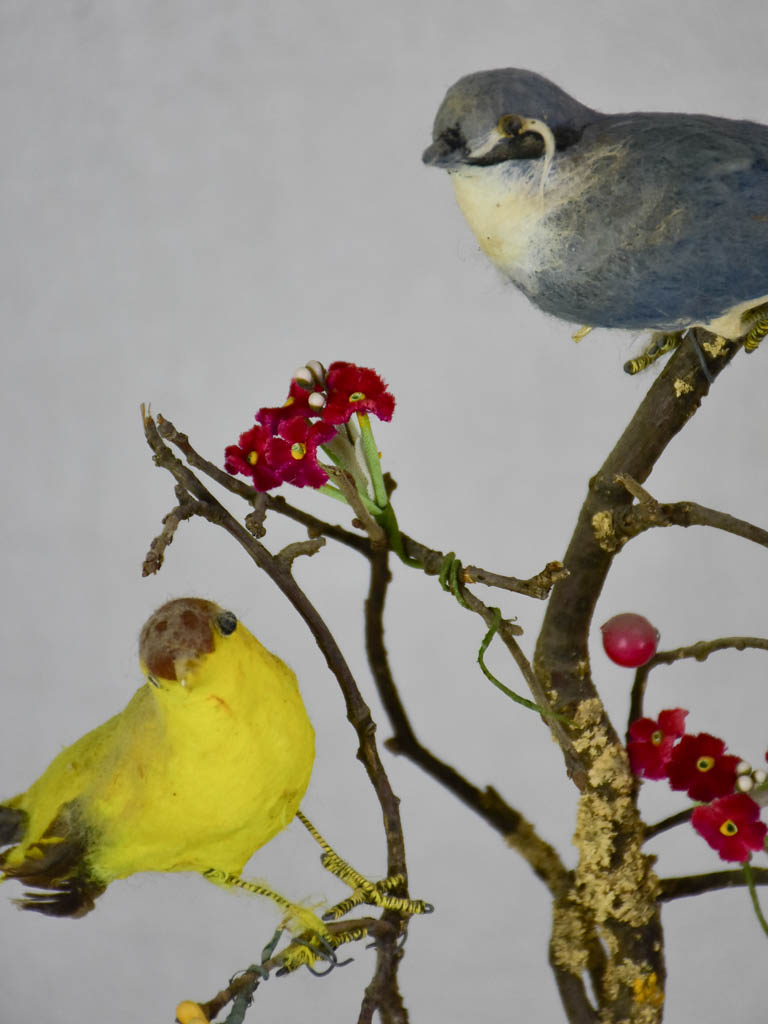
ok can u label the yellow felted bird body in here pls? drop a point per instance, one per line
(207, 762)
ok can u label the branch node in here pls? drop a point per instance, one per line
(154, 558)
(254, 521)
(635, 489)
(301, 547)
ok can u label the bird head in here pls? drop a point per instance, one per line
(177, 635)
(490, 117)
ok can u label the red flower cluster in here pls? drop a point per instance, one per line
(282, 446)
(699, 765)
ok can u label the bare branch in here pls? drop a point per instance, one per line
(649, 513)
(596, 760)
(488, 804)
(681, 818)
(538, 586)
(290, 552)
(274, 503)
(695, 885)
(171, 522)
(701, 650)
(358, 712)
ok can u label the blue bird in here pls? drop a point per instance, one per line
(640, 221)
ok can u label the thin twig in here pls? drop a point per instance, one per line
(667, 823)
(538, 586)
(275, 503)
(649, 513)
(700, 650)
(171, 522)
(695, 885)
(291, 552)
(487, 803)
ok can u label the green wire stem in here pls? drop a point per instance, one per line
(747, 868)
(499, 685)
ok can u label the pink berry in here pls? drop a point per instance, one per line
(629, 639)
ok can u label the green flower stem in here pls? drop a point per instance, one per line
(372, 460)
(332, 492)
(341, 451)
(497, 683)
(747, 867)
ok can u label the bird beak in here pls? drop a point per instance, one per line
(175, 636)
(442, 153)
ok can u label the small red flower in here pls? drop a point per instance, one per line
(294, 451)
(353, 388)
(296, 404)
(730, 825)
(651, 742)
(699, 765)
(249, 457)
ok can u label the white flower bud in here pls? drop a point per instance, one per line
(317, 370)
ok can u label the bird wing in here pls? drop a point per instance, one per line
(13, 825)
(56, 861)
(667, 223)
(52, 834)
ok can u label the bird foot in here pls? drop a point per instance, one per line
(658, 346)
(758, 318)
(375, 894)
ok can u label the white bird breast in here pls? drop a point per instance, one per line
(510, 208)
(507, 213)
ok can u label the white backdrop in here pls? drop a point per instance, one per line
(198, 197)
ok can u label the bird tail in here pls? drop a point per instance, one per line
(55, 862)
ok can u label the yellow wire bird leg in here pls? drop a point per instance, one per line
(658, 346)
(297, 918)
(759, 326)
(375, 894)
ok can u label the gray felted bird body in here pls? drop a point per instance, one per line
(638, 221)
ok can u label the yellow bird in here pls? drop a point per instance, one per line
(207, 762)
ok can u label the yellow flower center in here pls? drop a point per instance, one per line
(253, 458)
(357, 396)
(298, 450)
(704, 764)
(656, 737)
(729, 828)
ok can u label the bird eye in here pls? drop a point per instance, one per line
(509, 124)
(227, 623)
